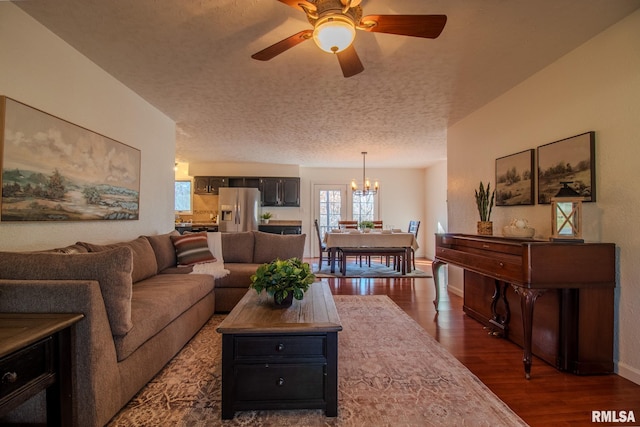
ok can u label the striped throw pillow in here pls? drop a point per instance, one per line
(192, 248)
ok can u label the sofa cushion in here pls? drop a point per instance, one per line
(270, 246)
(237, 247)
(239, 275)
(144, 258)
(164, 250)
(158, 301)
(111, 269)
(192, 248)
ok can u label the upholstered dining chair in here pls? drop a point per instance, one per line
(413, 228)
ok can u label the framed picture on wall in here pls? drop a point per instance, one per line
(514, 179)
(54, 170)
(568, 160)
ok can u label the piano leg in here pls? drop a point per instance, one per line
(527, 301)
(435, 268)
(500, 321)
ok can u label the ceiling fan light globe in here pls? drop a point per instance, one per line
(334, 34)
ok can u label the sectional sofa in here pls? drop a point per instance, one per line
(140, 307)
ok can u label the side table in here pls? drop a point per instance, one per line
(35, 355)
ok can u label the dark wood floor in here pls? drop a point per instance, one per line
(550, 397)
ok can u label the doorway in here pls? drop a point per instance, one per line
(330, 207)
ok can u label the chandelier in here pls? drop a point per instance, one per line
(365, 190)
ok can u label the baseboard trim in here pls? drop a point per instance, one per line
(628, 372)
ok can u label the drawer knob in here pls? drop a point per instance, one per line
(280, 347)
(9, 378)
(280, 381)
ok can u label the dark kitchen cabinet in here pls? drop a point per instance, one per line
(209, 184)
(244, 181)
(280, 191)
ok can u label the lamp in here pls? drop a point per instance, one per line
(366, 184)
(566, 215)
(334, 33)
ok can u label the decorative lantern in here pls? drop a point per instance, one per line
(566, 215)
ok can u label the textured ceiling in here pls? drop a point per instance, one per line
(192, 60)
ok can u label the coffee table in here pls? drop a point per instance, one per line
(281, 358)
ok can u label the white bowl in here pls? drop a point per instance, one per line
(513, 231)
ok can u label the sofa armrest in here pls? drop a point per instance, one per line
(94, 356)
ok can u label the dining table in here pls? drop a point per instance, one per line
(380, 241)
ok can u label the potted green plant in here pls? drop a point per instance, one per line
(366, 225)
(484, 201)
(266, 216)
(283, 279)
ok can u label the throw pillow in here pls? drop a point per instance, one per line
(164, 250)
(237, 247)
(270, 246)
(144, 257)
(111, 269)
(192, 248)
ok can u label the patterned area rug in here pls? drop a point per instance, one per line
(376, 269)
(391, 372)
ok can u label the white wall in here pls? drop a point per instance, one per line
(42, 71)
(435, 206)
(595, 87)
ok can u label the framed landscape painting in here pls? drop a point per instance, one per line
(54, 170)
(514, 179)
(568, 160)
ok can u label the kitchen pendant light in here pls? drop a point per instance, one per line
(365, 189)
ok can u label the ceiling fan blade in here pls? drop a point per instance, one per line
(426, 26)
(350, 62)
(283, 45)
(296, 4)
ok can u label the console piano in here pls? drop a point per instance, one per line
(573, 327)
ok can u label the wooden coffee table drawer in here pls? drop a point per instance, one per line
(279, 346)
(276, 382)
(26, 367)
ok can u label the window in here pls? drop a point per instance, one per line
(183, 197)
(330, 205)
(364, 208)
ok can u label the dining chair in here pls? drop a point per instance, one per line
(377, 225)
(322, 246)
(348, 224)
(413, 228)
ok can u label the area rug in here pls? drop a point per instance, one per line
(391, 372)
(376, 269)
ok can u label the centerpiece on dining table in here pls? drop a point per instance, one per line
(366, 226)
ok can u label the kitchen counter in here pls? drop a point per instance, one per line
(282, 227)
(181, 227)
(282, 223)
(195, 224)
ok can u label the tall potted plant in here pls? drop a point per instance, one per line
(284, 280)
(484, 201)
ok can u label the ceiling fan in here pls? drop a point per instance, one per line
(334, 27)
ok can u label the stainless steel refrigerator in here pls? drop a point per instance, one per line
(238, 209)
